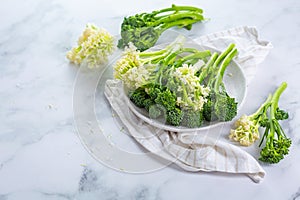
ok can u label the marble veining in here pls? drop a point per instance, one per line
(41, 156)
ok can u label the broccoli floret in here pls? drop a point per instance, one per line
(167, 99)
(225, 107)
(275, 150)
(174, 116)
(192, 119)
(144, 29)
(153, 91)
(156, 111)
(281, 114)
(264, 122)
(138, 97)
(220, 105)
(147, 103)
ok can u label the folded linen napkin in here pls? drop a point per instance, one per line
(195, 151)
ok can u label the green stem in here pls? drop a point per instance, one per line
(262, 108)
(153, 58)
(180, 8)
(185, 94)
(275, 99)
(177, 44)
(223, 67)
(208, 65)
(151, 53)
(198, 55)
(212, 73)
(274, 106)
(193, 61)
(264, 136)
(174, 19)
(171, 57)
(175, 9)
(224, 54)
(180, 23)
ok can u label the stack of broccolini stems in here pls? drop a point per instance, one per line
(177, 85)
(184, 87)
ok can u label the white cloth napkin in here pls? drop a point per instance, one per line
(199, 151)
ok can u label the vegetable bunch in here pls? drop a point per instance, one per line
(177, 85)
(143, 30)
(94, 46)
(267, 116)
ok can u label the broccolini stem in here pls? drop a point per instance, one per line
(213, 71)
(274, 126)
(153, 58)
(171, 57)
(275, 99)
(176, 9)
(198, 55)
(185, 94)
(264, 136)
(179, 8)
(151, 53)
(223, 67)
(180, 22)
(274, 106)
(192, 61)
(177, 19)
(177, 44)
(224, 54)
(263, 108)
(208, 65)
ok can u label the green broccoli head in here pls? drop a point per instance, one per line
(136, 21)
(264, 122)
(138, 97)
(153, 90)
(282, 145)
(137, 29)
(219, 106)
(155, 111)
(147, 103)
(167, 99)
(270, 155)
(281, 114)
(174, 116)
(275, 150)
(225, 107)
(192, 119)
(143, 38)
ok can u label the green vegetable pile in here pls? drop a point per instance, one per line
(267, 116)
(181, 86)
(143, 30)
(178, 86)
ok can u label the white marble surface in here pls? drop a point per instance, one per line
(41, 156)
